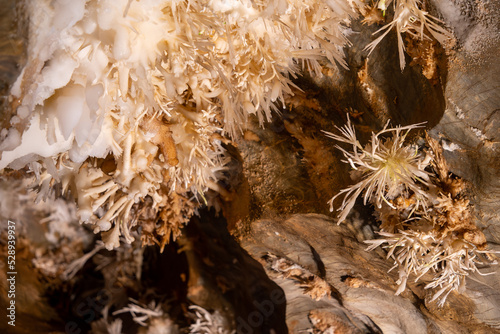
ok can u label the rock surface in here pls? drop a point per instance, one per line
(352, 290)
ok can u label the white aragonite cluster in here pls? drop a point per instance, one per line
(426, 220)
(448, 259)
(206, 322)
(387, 167)
(123, 103)
(409, 18)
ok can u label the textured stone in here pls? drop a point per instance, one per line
(363, 300)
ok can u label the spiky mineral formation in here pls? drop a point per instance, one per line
(408, 18)
(123, 103)
(388, 168)
(425, 217)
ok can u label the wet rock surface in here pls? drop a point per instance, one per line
(352, 289)
(470, 124)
